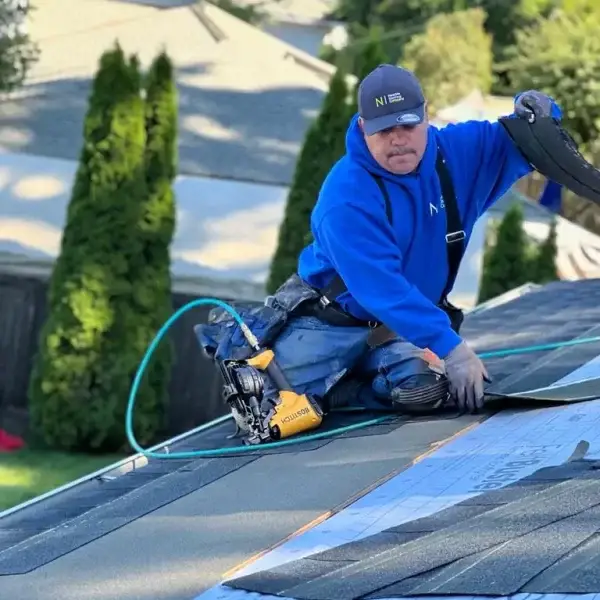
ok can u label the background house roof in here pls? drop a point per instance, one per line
(246, 97)
(476, 105)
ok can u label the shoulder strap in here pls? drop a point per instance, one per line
(386, 198)
(455, 236)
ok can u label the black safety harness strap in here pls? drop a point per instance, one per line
(455, 235)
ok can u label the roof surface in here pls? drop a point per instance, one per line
(507, 509)
(245, 97)
(176, 529)
(476, 105)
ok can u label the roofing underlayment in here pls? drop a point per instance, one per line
(504, 503)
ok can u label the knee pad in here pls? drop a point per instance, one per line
(424, 398)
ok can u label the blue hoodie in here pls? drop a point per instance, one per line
(397, 275)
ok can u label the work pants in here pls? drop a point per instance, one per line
(316, 355)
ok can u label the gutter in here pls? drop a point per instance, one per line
(116, 469)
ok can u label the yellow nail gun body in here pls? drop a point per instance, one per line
(261, 419)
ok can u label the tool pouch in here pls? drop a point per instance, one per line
(221, 337)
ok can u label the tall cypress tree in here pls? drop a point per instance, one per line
(323, 146)
(370, 56)
(86, 358)
(156, 230)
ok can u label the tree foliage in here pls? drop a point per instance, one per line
(156, 229)
(506, 261)
(512, 259)
(371, 55)
(101, 305)
(17, 51)
(452, 57)
(544, 268)
(561, 57)
(361, 12)
(255, 14)
(502, 19)
(403, 19)
(324, 144)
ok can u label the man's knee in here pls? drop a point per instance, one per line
(411, 379)
(428, 396)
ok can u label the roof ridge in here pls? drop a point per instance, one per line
(217, 19)
(198, 10)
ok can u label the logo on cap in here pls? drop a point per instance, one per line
(389, 99)
(408, 118)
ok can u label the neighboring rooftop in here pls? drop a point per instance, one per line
(246, 97)
(476, 105)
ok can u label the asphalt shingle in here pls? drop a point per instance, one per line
(495, 548)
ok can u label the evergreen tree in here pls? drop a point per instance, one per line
(544, 261)
(156, 230)
(370, 56)
(506, 264)
(361, 12)
(452, 57)
(89, 344)
(323, 146)
(561, 57)
(17, 51)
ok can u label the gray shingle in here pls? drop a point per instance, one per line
(374, 544)
(484, 549)
(61, 535)
(505, 569)
(279, 579)
(576, 573)
(560, 311)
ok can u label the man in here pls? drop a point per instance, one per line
(390, 226)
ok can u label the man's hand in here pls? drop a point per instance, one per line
(466, 374)
(532, 104)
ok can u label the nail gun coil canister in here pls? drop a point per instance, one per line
(295, 414)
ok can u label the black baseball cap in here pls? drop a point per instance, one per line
(390, 96)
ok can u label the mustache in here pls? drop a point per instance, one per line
(401, 152)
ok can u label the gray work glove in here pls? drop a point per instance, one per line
(531, 104)
(466, 373)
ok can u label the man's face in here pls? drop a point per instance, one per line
(399, 149)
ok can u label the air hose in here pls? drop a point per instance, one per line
(234, 450)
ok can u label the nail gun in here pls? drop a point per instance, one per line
(261, 419)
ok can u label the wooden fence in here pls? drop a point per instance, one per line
(195, 382)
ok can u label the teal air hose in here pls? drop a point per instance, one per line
(281, 443)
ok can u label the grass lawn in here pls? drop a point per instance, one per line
(26, 473)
